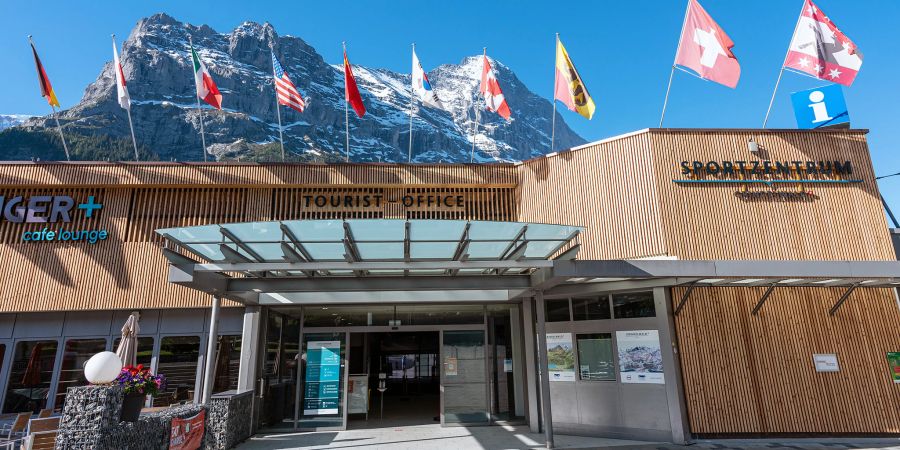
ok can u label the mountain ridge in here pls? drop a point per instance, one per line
(156, 65)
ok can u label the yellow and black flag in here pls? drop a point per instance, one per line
(570, 89)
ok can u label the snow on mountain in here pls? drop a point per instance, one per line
(166, 121)
(11, 120)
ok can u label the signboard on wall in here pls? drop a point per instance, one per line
(323, 378)
(894, 364)
(358, 394)
(560, 357)
(826, 362)
(187, 434)
(640, 357)
(820, 107)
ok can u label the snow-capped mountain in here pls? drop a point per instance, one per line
(11, 120)
(166, 121)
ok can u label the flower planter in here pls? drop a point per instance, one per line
(131, 407)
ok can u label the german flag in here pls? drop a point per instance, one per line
(46, 87)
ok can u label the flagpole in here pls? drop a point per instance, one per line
(412, 102)
(277, 106)
(553, 97)
(128, 111)
(197, 94)
(781, 72)
(687, 10)
(59, 128)
(475, 128)
(346, 109)
(55, 116)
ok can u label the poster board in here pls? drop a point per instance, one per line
(358, 394)
(894, 365)
(187, 434)
(323, 378)
(560, 357)
(640, 357)
(826, 362)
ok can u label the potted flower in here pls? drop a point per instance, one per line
(138, 383)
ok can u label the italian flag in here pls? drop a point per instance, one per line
(206, 87)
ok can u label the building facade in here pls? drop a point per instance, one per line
(669, 353)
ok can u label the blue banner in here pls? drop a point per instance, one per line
(322, 391)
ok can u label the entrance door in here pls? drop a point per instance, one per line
(323, 377)
(464, 387)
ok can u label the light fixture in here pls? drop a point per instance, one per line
(102, 368)
(752, 146)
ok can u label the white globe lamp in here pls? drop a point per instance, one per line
(102, 368)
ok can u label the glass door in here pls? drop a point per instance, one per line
(323, 377)
(464, 387)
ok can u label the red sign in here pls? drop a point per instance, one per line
(187, 434)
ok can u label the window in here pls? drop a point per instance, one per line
(144, 350)
(592, 308)
(557, 310)
(228, 361)
(178, 357)
(29, 376)
(595, 357)
(71, 372)
(634, 304)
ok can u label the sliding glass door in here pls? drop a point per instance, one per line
(464, 387)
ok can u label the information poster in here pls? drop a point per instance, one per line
(323, 378)
(358, 394)
(640, 358)
(894, 364)
(560, 357)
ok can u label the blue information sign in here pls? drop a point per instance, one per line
(820, 107)
(323, 378)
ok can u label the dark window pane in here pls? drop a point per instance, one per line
(71, 373)
(178, 362)
(595, 357)
(592, 308)
(228, 359)
(144, 349)
(29, 376)
(635, 304)
(557, 310)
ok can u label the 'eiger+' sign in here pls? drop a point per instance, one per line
(52, 209)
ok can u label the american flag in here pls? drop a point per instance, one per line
(285, 90)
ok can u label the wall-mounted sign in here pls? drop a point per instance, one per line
(894, 365)
(323, 378)
(55, 211)
(187, 434)
(358, 394)
(820, 107)
(826, 362)
(352, 201)
(560, 357)
(640, 357)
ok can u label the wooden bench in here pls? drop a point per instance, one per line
(42, 433)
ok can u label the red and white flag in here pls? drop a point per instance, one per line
(820, 49)
(706, 48)
(351, 91)
(121, 88)
(285, 91)
(490, 89)
(206, 87)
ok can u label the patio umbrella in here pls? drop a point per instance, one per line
(127, 349)
(32, 376)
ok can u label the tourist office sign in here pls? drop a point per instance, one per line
(773, 175)
(56, 212)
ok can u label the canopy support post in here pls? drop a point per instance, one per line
(843, 299)
(210, 373)
(763, 299)
(684, 298)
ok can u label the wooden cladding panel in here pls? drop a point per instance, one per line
(710, 222)
(243, 174)
(755, 374)
(608, 188)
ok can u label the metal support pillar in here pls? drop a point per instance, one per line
(763, 299)
(210, 373)
(531, 378)
(843, 299)
(684, 299)
(546, 413)
(249, 340)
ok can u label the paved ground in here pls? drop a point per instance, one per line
(432, 436)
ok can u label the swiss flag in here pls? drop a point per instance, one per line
(706, 48)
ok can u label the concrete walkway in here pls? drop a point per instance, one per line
(432, 436)
(427, 437)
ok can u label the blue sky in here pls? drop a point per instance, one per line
(623, 50)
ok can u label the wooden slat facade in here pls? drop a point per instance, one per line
(742, 373)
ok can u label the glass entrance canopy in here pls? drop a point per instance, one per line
(371, 241)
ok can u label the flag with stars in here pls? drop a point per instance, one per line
(285, 90)
(820, 49)
(706, 49)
